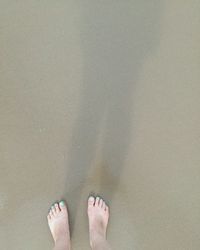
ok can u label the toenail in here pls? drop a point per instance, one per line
(62, 203)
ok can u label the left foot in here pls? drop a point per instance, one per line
(59, 224)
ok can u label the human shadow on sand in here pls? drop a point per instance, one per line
(116, 39)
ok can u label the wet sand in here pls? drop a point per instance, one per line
(100, 97)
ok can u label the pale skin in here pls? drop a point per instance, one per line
(98, 215)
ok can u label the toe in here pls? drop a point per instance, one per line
(101, 203)
(49, 217)
(51, 213)
(57, 209)
(104, 205)
(91, 201)
(97, 201)
(53, 210)
(107, 209)
(62, 205)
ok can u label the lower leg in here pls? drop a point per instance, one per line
(98, 214)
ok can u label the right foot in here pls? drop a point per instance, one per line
(98, 214)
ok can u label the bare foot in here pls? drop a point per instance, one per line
(98, 214)
(59, 225)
